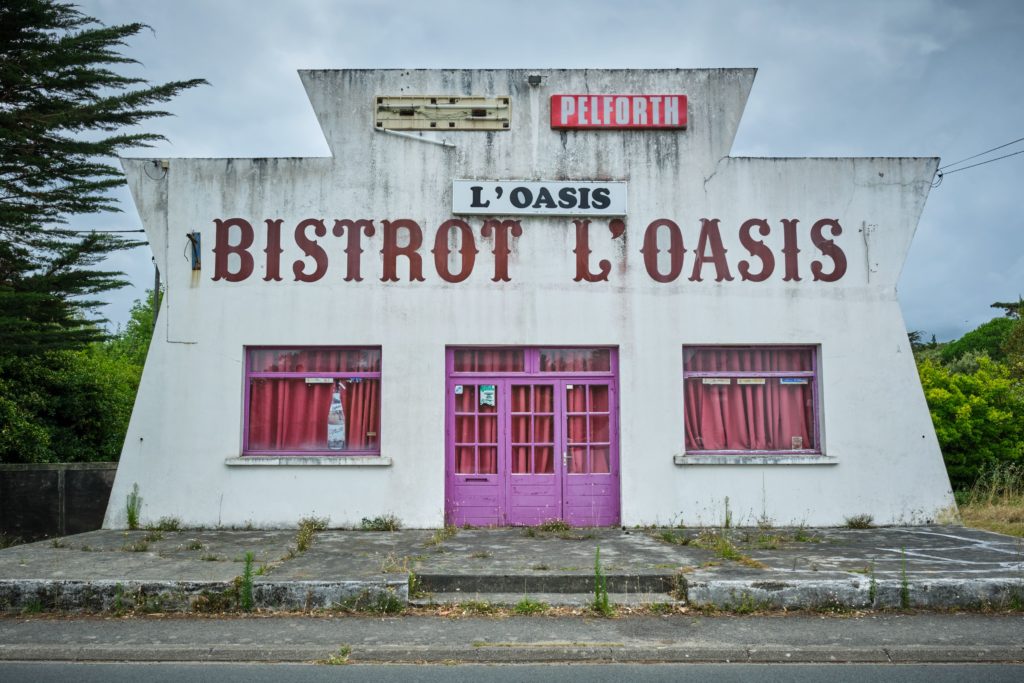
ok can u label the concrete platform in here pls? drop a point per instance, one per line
(738, 570)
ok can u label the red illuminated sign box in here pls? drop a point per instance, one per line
(618, 111)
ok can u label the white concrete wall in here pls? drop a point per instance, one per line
(188, 416)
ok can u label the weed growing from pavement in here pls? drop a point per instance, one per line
(441, 535)
(415, 586)
(529, 607)
(153, 536)
(139, 546)
(166, 524)
(133, 507)
(872, 585)
(727, 521)
(245, 600)
(477, 607)
(480, 555)
(58, 543)
(380, 523)
(338, 658)
(33, 606)
(553, 526)
(600, 603)
(194, 544)
(395, 564)
(308, 526)
(860, 522)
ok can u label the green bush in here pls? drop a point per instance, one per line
(986, 338)
(978, 417)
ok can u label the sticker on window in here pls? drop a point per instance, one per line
(798, 442)
(487, 395)
(792, 380)
(458, 390)
(750, 380)
(716, 380)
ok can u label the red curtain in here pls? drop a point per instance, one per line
(314, 360)
(762, 417)
(575, 360)
(533, 428)
(489, 360)
(289, 415)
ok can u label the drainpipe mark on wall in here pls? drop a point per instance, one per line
(865, 231)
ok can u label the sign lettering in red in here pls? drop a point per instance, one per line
(618, 111)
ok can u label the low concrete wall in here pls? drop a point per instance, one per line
(42, 500)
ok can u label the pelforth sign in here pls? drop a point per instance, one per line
(618, 111)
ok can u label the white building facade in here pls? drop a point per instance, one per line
(512, 296)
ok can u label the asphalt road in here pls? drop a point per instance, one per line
(11, 672)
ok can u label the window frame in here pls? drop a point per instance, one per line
(531, 361)
(813, 375)
(251, 374)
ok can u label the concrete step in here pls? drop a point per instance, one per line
(550, 599)
(534, 583)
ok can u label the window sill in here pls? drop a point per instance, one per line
(760, 459)
(309, 461)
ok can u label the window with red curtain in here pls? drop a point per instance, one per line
(750, 399)
(303, 401)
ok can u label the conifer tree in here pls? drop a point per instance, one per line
(65, 115)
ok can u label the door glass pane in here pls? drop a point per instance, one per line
(598, 398)
(577, 460)
(464, 460)
(576, 398)
(543, 429)
(543, 460)
(543, 399)
(489, 360)
(575, 360)
(521, 429)
(577, 429)
(488, 460)
(520, 459)
(600, 461)
(466, 401)
(465, 429)
(598, 429)
(488, 429)
(521, 399)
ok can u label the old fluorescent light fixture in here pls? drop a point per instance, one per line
(442, 112)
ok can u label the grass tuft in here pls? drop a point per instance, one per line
(860, 522)
(996, 501)
(380, 523)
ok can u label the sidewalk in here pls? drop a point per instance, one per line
(739, 570)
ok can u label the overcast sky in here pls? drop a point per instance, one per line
(887, 78)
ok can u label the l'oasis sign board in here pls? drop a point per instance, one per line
(538, 197)
(618, 111)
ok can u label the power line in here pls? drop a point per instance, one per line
(980, 163)
(982, 154)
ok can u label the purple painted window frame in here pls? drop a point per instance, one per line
(247, 393)
(531, 362)
(812, 374)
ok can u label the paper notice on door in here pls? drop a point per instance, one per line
(716, 380)
(488, 395)
(750, 380)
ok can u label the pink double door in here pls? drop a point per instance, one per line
(522, 451)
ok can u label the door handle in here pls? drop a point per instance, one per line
(565, 458)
